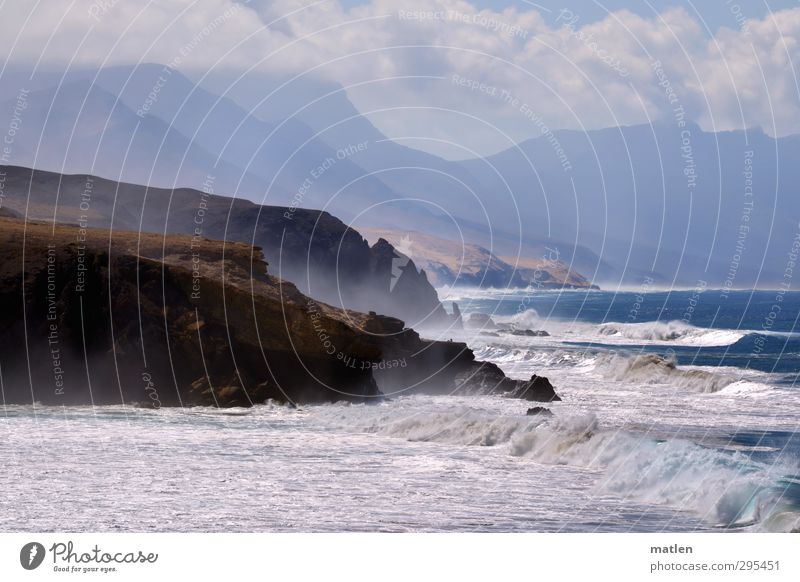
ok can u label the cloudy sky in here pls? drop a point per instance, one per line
(457, 76)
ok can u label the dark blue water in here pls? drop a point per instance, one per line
(770, 319)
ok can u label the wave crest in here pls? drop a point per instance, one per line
(672, 331)
(655, 369)
(726, 489)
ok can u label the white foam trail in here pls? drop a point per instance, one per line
(648, 333)
(747, 388)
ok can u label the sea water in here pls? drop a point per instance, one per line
(668, 422)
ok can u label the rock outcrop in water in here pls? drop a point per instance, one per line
(539, 411)
(95, 317)
(445, 367)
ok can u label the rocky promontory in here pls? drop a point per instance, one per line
(93, 316)
(324, 257)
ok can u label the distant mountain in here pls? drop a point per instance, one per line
(667, 203)
(455, 264)
(659, 204)
(151, 125)
(676, 204)
(79, 127)
(663, 203)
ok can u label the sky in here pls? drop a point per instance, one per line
(452, 76)
(714, 13)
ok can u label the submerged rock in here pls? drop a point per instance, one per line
(539, 411)
(530, 332)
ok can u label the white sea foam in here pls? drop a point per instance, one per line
(546, 358)
(727, 489)
(654, 369)
(671, 332)
(724, 488)
(649, 333)
(745, 387)
(626, 367)
(528, 319)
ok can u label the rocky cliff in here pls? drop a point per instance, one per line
(457, 263)
(93, 316)
(320, 254)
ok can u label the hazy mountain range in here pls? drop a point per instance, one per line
(624, 204)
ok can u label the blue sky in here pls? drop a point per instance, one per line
(715, 13)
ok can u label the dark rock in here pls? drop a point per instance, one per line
(322, 256)
(488, 378)
(123, 318)
(401, 289)
(530, 332)
(537, 389)
(539, 411)
(436, 367)
(415, 364)
(178, 321)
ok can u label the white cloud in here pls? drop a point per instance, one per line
(573, 76)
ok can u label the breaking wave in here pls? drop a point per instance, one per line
(655, 369)
(725, 488)
(672, 331)
(642, 369)
(456, 426)
(542, 357)
(527, 319)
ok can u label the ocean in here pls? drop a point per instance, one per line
(679, 413)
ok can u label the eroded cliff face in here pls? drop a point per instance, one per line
(129, 318)
(315, 250)
(460, 264)
(412, 364)
(103, 317)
